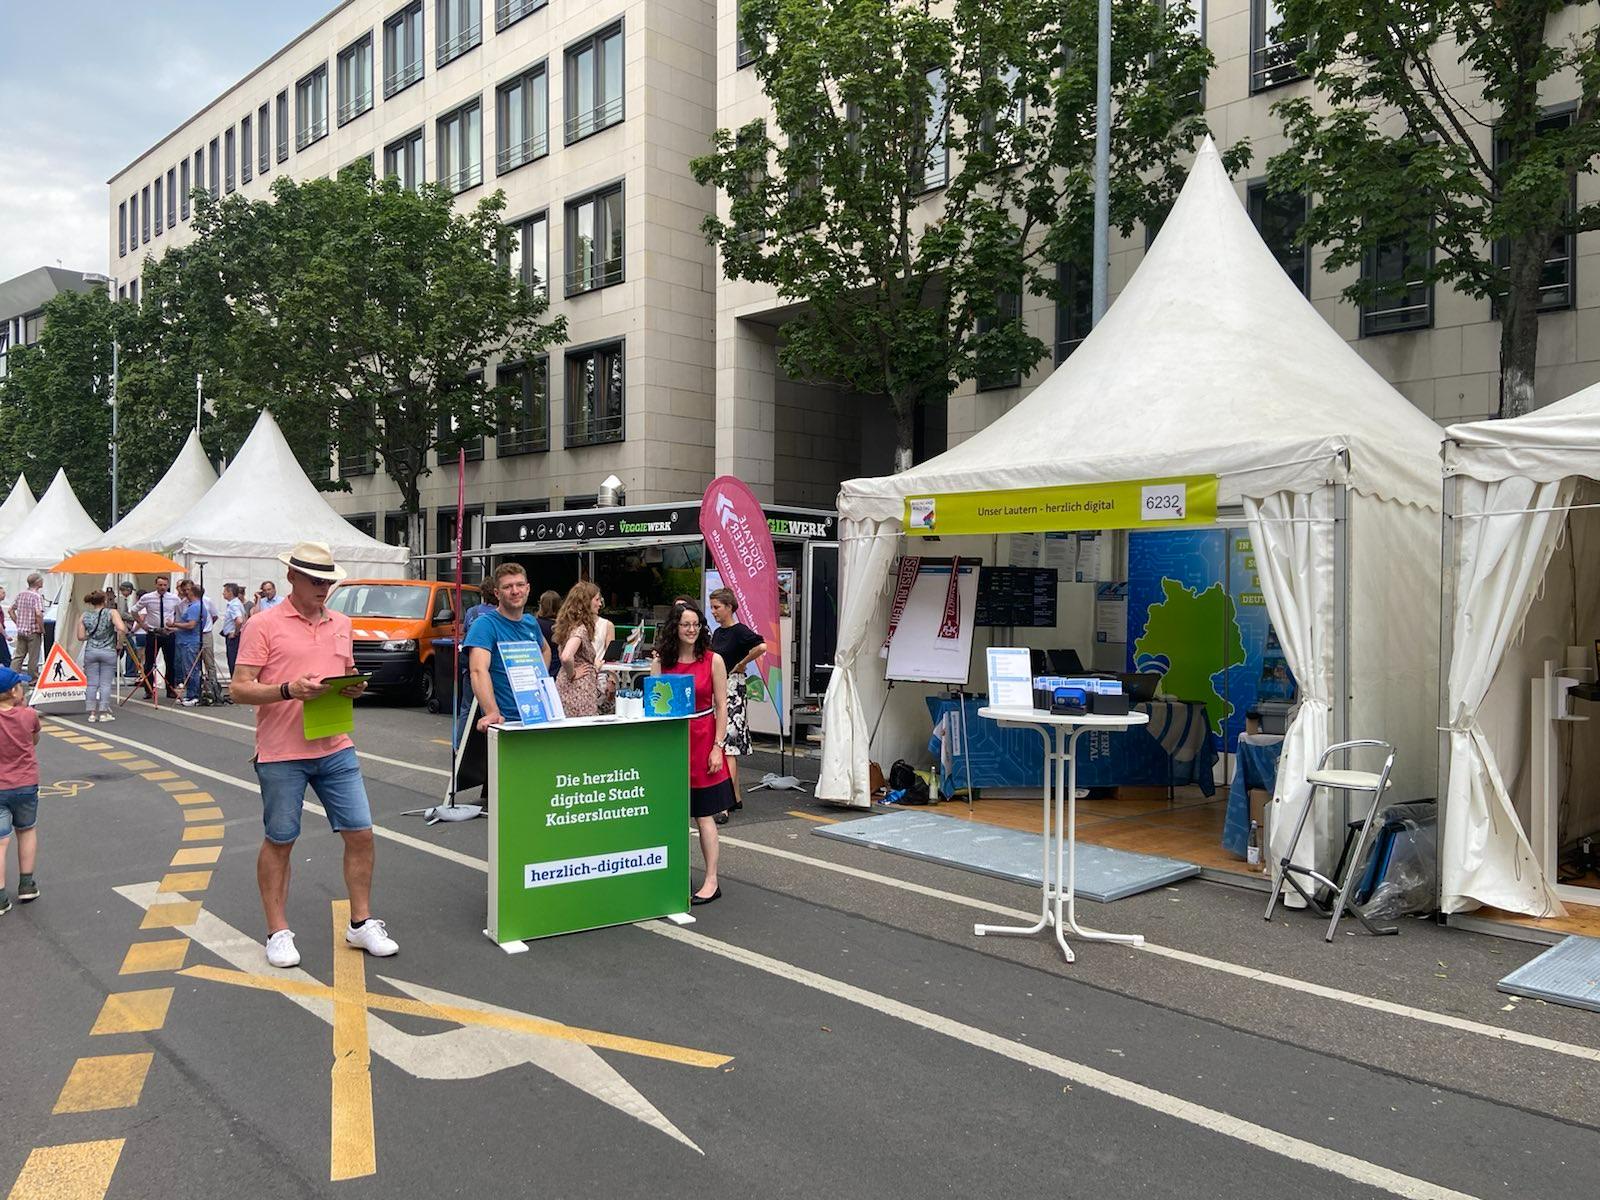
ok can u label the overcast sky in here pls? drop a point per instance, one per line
(86, 86)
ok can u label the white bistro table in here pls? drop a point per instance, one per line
(1060, 786)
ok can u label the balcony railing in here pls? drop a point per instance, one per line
(467, 177)
(522, 441)
(594, 275)
(456, 46)
(522, 152)
(508, 12)
(354, 107)
(402, 77)
(312, 132)
(1273, 63)
(581, 125)
(594, 431)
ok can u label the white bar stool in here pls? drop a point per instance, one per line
(1336, 780)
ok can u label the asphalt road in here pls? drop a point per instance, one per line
(830, 1028)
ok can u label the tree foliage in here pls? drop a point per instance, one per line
(1432, 121)
(926, 162)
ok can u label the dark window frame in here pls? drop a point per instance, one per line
(122, 230)
(468, 40)
(172, 198)
(1011, 300)
(1272, 65)
(247, 166)
(213, 168)
(1385, 315)
(144, 216)
(508, 12)
(409, 73)
(160, 205)
(466, 179)
(1077, 308)
(307, 131)
(362, 104)
(578, 124)
(534, 148)
(183, 194)
(264, 138)
(1258, 188)
(525, 272)
(599, 430)
(283, 125)
(606, 272)
(446, 444)
(534, 436)
(1499, 251)
(230, 150)
(399, 143)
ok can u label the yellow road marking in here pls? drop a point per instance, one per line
(196, 798)
(805, 816)
(185, 881)
(441, 741)
(142, 764)
(76, 739)
(143, 957)
(117, 755)
(133, 1012)
(153, 776)
(110, 1081)
(97, 745)
(202, 833)
(202, 814)
(516, 1023)
(196, 856)
(78, 1171)
(177, 785)
(171, 915)
(352, 1150)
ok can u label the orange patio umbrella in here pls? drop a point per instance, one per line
(117, 561)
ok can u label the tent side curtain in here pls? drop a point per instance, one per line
(1500, 563)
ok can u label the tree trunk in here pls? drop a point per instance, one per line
(905, 432)
(1519, 324)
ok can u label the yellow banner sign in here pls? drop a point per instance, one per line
(1126, 504)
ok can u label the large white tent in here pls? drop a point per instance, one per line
(18, 504)
(178, 493)
(260, 508)
(55, 527)
(1211, 362)
(1522, 541)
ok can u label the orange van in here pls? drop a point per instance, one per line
(393, 623)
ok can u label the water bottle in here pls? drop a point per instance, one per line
(1253, 849)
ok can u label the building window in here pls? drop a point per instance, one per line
(528, 257)
(402, 49)
(355, 79)
(199, 170)
(311, 108)
(1008, 311)
(522, 120)
(264, 138)
(364, 160)
(594, 240)
(450, 442)
(403, 160)
(509, 12)
(144, 215)
(460, 150)
(594, 83)
(458, 27)
(172, 197)
(594, 395)
(1278, 219)
(228, 158)
(522, 415)
(1194, 24)
(133, 291)
(246, 157)
(183, 189)
(1074, 308)
(354, 462)
(283, 126)
(744, 52)
(122, 230)
(161, 208)
(1408, 304)
(214, 169)
(367, 523)
(936, 166)
(397, 530)
(1272, 57)
(1556, 288)
(444, 532)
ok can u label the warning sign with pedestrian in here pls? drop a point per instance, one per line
(59, 679)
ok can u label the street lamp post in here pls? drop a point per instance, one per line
(111, 294)
(1102, 169)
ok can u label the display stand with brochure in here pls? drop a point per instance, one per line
(538, 700)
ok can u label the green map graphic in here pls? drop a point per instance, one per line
(1184, 629)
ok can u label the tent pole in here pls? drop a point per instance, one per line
(1448, 559)
(1341, 625)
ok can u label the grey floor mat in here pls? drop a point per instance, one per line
(1567, 973)
(1103, 874)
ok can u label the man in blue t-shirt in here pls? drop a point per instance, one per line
(506, 622)
(190, 622)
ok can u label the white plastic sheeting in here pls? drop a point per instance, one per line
(55, 527)
(1210, 362)
(260, 508)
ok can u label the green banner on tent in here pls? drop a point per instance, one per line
(588, 826)
(1122, 504)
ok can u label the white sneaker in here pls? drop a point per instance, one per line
(105, 716)
(91, 717)
(373, 937)
(281, 951)
(188, 703)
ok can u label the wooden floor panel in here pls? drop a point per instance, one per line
(1582, 919)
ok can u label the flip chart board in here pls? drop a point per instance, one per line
(917, 652)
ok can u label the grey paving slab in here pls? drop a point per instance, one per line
(1567, 973)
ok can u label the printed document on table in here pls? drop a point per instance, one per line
(1010, 677)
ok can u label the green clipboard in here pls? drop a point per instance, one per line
(330, 713)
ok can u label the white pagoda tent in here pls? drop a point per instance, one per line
(18, 504)
(56, 526)
(179, 491)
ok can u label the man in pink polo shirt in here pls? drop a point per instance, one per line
(284, 655)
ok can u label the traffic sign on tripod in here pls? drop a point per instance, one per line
(59, 679)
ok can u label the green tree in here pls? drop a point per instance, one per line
(1395, 148)
(360, 313)
(55, 400)
(927, 165)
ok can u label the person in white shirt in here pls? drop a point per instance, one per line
(233, 615)
(155, 613)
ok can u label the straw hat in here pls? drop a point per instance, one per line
(313, 559)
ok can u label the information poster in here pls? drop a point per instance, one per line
(588, 826)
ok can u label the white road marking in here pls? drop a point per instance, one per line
(1306, 987)
(460, 1053)
(1248, 1132)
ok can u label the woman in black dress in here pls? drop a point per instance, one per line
(738, 646)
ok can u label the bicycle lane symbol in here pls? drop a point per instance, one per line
(64, 787)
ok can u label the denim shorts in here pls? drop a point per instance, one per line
(19, 809)
(335, 778)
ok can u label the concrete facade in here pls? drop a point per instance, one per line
(22, 302)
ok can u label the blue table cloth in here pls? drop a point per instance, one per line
(1173, 749)
(1257, 767)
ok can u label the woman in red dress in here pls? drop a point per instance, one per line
(683, 647)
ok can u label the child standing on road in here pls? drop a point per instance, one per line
(19, 784)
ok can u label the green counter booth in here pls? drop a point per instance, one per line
(588, 825)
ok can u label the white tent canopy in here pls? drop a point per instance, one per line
(1211, 362)
(260, 508)
(1524, 588)
(178, 493)
(45, 536)
(18, 504)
